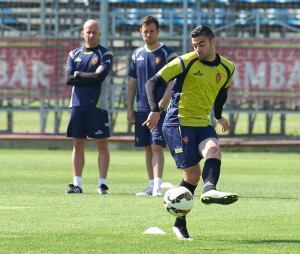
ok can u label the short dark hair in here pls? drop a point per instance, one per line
(202, 31)
(149, 20)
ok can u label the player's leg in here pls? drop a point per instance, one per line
(158, 143)
(142, 139)
(148, 161)
(184, 149)
(210, 150)
(78, 157)
(77, 130)
(98, 128)
(157, 168)
(77, 165)
(190, 181)
(103, 164)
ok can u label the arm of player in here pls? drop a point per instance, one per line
(218, 108)
(152, 120)
(224, 123)
(132, 84)
(71, 80)
(81, 79)
(151, 86)
(165, 100)
(91, 78)
(100, 73)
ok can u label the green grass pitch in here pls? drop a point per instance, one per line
(37, 217)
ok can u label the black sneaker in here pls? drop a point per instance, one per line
(102, 189)
(182, 233)
(73, 189)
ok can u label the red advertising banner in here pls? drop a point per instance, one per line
(265, 69)
(34, 68)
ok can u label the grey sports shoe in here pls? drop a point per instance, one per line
(146, 193)
(218, 197)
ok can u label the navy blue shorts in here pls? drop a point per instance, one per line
(183, 142)
(88, 122)
(143, 136)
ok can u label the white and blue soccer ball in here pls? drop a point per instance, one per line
(178, 201)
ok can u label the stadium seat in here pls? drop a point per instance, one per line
(277, 15)
(195, 17)
(268, 1)
(132, 16)
(147, 1)
(6, 10)
(9, 20)
(6, 16)
(163, 1)
(293, 17)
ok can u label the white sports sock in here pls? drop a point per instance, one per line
(157, 182)
(77, 181)
(151, 183)
(101, 181)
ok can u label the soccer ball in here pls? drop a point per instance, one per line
(178, 201)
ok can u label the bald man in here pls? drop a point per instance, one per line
(87, 68)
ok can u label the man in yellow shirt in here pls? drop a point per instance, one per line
(201, 81)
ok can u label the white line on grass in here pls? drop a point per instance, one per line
(14, 207)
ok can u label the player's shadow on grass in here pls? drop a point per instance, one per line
(270, 241)
(266, 197)
(107, 195)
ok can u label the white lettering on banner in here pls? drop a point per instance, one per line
(263, 75)
(38, 74)
(259, 55)
(277, 75)
(236, 78)
(34, 68)
(256, 54)
(20, 73)
(294, 78)
(255, 78)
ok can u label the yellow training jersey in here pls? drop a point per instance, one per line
(195, 88)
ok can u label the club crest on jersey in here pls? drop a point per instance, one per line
(94, 60)
(185, 139)
(157, 59)
(218, 77)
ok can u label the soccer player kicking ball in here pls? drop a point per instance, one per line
(201, 81)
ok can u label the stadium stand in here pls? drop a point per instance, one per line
(63, 18)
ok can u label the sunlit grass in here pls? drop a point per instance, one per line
(37, 217)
